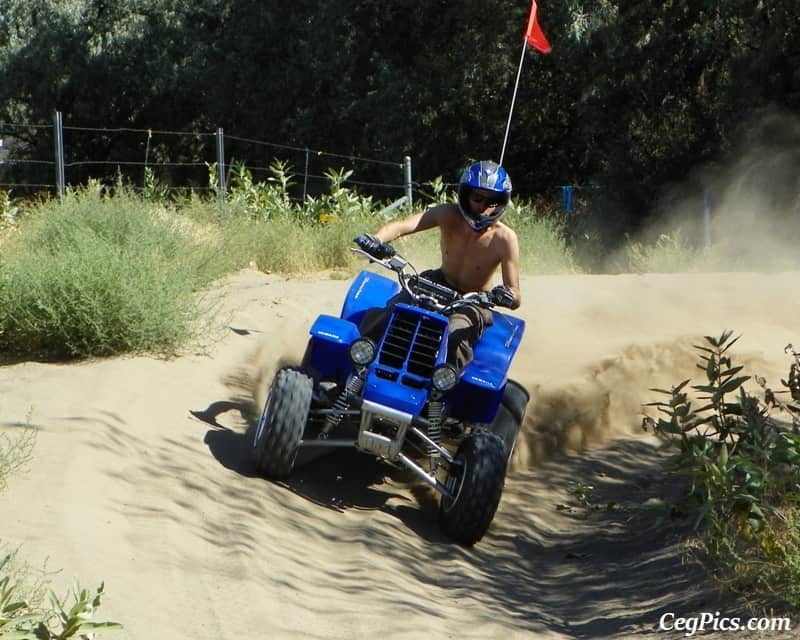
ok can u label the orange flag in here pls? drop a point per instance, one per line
(534, 36)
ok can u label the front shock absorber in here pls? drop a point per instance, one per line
(435, 414)
(352, 389)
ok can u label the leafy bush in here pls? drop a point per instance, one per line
(21, 620)
(542, 240)
(9, 210)
(15, 452)
(670, 253)
(257, 200)
(95, 275)
(21, 615)
(743, 467)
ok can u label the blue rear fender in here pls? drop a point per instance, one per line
(477, 396)
(327, 353)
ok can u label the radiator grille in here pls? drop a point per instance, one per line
(412, 343)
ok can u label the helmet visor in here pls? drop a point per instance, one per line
(484, 201)
(481, 207)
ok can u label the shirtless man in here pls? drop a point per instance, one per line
(474, 243)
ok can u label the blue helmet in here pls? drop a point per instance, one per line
(489, 176)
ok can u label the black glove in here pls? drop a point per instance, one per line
(501, 296)
(374, 247)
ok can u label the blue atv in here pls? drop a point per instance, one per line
(399, 400)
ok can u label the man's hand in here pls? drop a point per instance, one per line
(502, 296)
(374, 247)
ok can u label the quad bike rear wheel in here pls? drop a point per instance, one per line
(509, 417)
(277, 435)
(476, 482)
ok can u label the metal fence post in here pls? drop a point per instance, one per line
(407, 181)
(305, 176)
(58, 137)
(221, 166)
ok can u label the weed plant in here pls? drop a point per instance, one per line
(22, 619)
(15, 452)
(542, 240)
(670, 253)
(263, 226)
(23, 616)
(95, 275)
(743, 467)
(674, 253)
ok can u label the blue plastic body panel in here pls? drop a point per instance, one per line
(407, 391)
(368, 291)
(327, 349)
(477, 396)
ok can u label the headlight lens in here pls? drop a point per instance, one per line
(444, 377)
(362, 351)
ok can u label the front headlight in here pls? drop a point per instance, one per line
(362, 352)
(444, 377)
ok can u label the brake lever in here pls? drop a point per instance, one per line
(366, 255)
(395, 263)
(481, 298)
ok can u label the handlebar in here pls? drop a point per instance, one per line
(427, 293)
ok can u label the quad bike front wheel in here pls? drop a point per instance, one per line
(277, 435)
(476, 482)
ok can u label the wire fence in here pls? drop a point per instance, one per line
(36, 158)
(50, 158)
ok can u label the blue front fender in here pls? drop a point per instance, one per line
(327, 355)
(368, 291)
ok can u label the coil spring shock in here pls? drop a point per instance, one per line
(353, 388)
(435, 410)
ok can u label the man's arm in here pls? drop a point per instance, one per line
(510, 268)
(412, 224)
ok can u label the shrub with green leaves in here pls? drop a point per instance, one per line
(670, 253)
(95, 275)
(542, 239)
(22, 620)
(15, 452)
(743, 468)
(257, 200)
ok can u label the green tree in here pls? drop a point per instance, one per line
(634, 96)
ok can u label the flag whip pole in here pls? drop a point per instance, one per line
(537, 39)
(513, 100)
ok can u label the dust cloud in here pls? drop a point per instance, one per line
(597, 346)
(757, 223)
(605, 403)
(743, 215)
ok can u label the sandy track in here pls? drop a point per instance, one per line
(138, 478)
